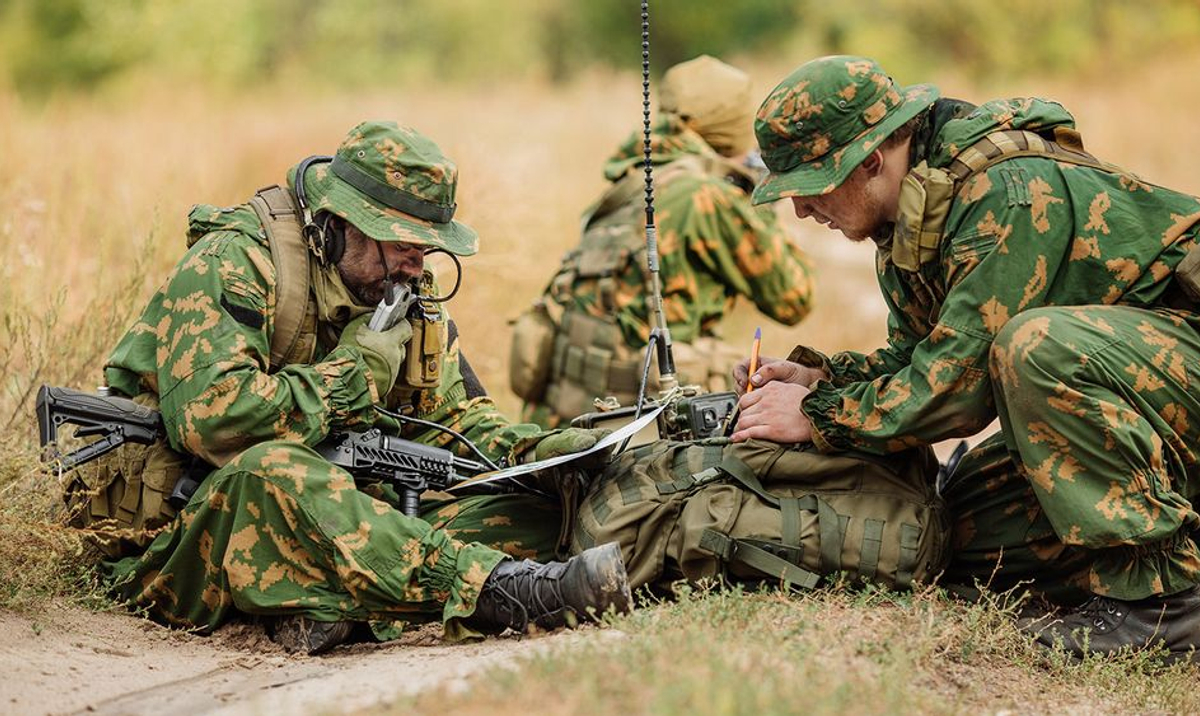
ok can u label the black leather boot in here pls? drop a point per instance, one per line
(518, 595)
(298, 634)
(1103, 625)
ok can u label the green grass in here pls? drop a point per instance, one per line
(831, 651)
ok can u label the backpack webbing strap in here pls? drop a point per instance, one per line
(832, 525)
(280, 219)
(710, 459)
(910, 542)
(833, 534)
(741, 472)
(789, 508)
(868, 560)
(735, 550)
(1008, 144)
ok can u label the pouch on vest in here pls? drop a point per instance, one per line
(924, 202)
(761, 511)
(121, 497)
(423, 359)
(532, 352)
(707, 362)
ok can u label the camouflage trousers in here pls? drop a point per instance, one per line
(522, 526)
(281, 531)
(1092, 485)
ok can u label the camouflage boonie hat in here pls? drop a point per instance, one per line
(394, 184)
(824, 119)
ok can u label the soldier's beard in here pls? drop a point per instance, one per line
(362, 272)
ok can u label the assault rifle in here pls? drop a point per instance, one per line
(371, 456)
(411, 468)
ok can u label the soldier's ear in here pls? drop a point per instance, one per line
(873, 164)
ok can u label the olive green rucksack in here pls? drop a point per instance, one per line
(764, 511)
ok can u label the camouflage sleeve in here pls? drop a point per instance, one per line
(460, 403)
(996, 262)
(743, 247)
(907, 325)
(213, 339)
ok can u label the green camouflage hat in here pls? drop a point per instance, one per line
(394, 184)
(826, 118)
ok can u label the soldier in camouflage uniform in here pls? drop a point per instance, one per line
(714, 246)
(276, 530)
(1025, 280)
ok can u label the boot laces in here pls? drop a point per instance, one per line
(1102, 612)
(533, 584)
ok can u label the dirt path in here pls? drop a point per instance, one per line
(79, 661)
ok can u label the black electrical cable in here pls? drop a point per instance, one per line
(425, 423)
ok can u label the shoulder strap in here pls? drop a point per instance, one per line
(280, 218)
(1066, 146)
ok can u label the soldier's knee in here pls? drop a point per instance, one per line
(257, 458)
(1026, 349)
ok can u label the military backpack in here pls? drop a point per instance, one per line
(762, 511)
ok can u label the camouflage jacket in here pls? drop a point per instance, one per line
(713, 245)
(1025, 233)
(202, 345)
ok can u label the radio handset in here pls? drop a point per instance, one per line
(398, 298)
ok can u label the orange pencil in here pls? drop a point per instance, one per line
(754, 358)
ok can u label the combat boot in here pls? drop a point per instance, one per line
(520, 595)
(299, 634)
(1104, 625)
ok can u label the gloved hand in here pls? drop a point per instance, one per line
(383, 351)
(572, 440)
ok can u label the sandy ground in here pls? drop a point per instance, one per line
(75, 661)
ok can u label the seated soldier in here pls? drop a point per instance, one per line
(584, 339)
(254, 349)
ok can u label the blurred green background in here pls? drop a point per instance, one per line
(50, 47)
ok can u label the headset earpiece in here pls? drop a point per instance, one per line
(333, 229)
(315, 235)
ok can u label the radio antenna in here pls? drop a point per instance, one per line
(660, 335)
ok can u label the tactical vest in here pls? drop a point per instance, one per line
(762, 511)
(927, 194)
(563, 357)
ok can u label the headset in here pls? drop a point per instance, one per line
(325, 238)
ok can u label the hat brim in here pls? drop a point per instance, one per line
(827, 172)
(382, 223)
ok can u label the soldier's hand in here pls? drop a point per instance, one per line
(772, 412)
(383, 351)
(568, 441)
(776, 370)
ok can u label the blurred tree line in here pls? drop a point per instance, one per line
(49, 46)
